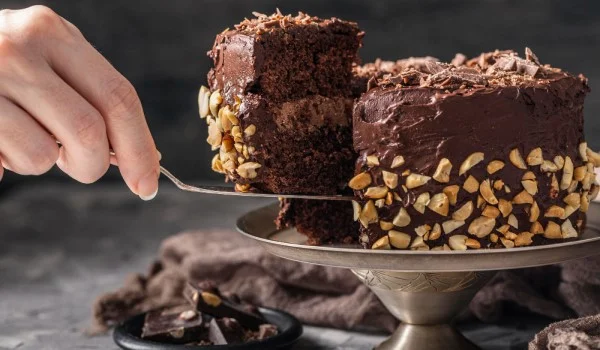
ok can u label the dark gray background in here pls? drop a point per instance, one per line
(160, 46)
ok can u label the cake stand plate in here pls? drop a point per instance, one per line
(424, 289)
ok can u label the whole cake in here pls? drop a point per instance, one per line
(483, 153)
(279, 103)
(480, 153)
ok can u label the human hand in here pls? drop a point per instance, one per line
(55, 86)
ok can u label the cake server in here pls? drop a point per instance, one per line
(230, 191)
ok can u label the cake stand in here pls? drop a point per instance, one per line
(423, 289)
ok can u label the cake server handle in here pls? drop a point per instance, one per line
(230, 191)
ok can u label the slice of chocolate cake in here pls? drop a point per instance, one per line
(482, 153)
(279, 107)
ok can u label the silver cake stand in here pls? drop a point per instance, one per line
(425, 290)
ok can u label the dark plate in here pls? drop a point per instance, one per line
(127, 335)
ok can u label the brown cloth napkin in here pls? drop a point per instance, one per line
(334, 297)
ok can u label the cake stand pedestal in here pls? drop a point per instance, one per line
(423, 289)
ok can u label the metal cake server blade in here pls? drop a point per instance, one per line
(230, 191)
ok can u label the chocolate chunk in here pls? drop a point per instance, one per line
(525, 67)
(530, 56)
(459, 60)
(176, 325)
(212, 304)
(225, 331)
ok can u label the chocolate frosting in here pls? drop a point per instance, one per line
(473, 109)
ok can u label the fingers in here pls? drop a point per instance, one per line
(70, 118)
(118, 103)
(26, 148)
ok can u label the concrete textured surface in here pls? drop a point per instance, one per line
(62, 245)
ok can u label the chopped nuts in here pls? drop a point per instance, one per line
(390, 179)
(535, 157)
(512, 221)
(569, 209)
(389, 198)
(451, 225)
(214, 101)
(416, 180)
(573, 199)
(440, 204)
(211, 299)
(552, 231)
(406, 172)
(360, 181)
(567, 176)
(586, 184)
(248, 170)
(188, 315)
(523, 198)
(534, 212)
(421, 202)
(419, 244)
(368, 214)
(594, 192)
(436, 232)
(530, 186)
(559, 161)
(554, 188)
(472, 243)
(452, 193)
(482, 226)
(516, 159)
(463, 213)
(458, 242)
(386, 225)
(401, 219)
(471, 185)
(214, 135)
(507, 243)
(397, 161)
(422, 230)
(216, 164)
(398, 239)
(503, 229)
(528, 176)
(472, 160)
(498, 184)
(585, 202)
(382, 243)
(593, 157)
(242, 187)
(356, 209)
(554, 212)
(583, 151)
(442, 173)
(380, 203)
(490, 212)
(494, 166)
(480, 201)
(505, 207)
(506, 189)
(548, 167)
(376, 192)
(571, 188)
(493, 238)
(579, 173)
(372, 160)
(487, 193)
(203, 98)
(524, 239)
(567, 230)
(250, 130)
(536, 228)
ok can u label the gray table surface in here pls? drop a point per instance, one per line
(62, 245)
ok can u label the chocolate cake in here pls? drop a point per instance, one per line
(279, 106)
(483, 153)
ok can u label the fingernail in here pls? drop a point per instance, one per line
(148, 187)
(159, 155)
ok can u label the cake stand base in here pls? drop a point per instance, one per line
(426, 290)
(426, 303)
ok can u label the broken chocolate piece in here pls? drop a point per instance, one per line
(212, 304)
(176, 325)
(225, 331)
